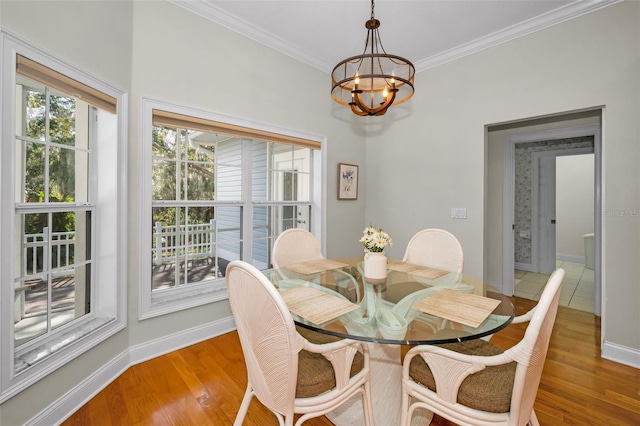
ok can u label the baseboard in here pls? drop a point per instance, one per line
(148, 350)
(621, 354)
(528, 267)
(495, 285)
(524, 267)
(571, 258)
(70, 402)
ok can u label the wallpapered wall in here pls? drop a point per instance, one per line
(524, 187)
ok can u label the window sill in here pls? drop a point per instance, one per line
(35, 355)
(174, 300)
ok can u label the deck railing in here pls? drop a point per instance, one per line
(35, 251)
(196, 241)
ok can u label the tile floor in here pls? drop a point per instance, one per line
(577, 287)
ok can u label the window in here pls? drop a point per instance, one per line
(61, 214)
(218, 191)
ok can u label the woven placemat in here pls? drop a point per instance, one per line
(315, 266)
(422, 271)
(465, 308)
(315, 305)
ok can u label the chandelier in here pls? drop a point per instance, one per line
(370, 83)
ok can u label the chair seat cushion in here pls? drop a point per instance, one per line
(315, 373)
(487, 390)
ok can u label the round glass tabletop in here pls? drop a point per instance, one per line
(412, 304)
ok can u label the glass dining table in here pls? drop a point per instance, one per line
(412, 305)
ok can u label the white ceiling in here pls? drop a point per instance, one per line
(427, 32)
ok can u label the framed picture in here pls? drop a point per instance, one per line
(347, 181)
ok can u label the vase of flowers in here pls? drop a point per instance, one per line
(374, 241)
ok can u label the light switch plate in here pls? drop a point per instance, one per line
(458, 213)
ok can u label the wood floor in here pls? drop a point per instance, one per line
(203, 384)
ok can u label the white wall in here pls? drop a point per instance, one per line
(422, 163)
(574, 203)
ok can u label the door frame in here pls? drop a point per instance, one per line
(508, 261)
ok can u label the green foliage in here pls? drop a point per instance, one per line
(192, 179)
(62, 113)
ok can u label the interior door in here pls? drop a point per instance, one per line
(546, 214)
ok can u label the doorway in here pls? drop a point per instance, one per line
(569, 210)
(527, 233)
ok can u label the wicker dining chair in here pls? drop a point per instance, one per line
(437, 248)
(297, 245)
(287, 372)
(476, 383)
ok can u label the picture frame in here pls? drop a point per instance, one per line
(347, 181)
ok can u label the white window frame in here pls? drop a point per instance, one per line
(152, 305)
(106, 318)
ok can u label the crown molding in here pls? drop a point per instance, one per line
(549, 19)
(555, 17)
(227, 20)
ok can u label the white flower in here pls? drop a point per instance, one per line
(375, 239)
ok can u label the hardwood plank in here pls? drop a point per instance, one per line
(203, 384)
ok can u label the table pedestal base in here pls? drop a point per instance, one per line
(386, 393)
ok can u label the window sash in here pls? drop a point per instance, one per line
(55, 254)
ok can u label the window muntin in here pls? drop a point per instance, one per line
(269, 221)
(190, 247)
(281, 192)
(54, 282)
(54, 157)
